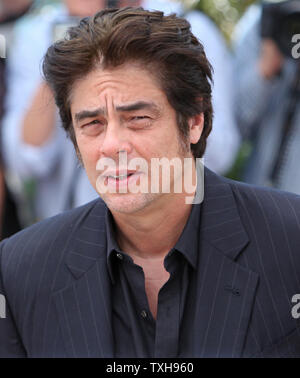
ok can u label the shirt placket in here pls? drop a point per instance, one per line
(168, 318)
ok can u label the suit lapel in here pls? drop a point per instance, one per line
(225, 290)
(84, 307)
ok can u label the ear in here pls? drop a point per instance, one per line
(196, 124)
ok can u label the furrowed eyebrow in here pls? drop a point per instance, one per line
(88, 114)
(140, 105)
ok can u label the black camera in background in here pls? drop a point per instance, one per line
(280, 21)
(112, 4)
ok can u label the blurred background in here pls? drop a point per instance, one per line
(225, 13)
(254, 48)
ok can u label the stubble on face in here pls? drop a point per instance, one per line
(128, 203)
(141, 86)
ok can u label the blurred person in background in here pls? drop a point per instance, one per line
(44, 154)
(10, 12)
(40, 161)
(268, 93)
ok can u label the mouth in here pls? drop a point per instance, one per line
(120, 180)
(120, 177)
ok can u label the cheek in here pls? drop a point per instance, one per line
(163, 144)
(88, 151)
(171, 144)
(148, 146)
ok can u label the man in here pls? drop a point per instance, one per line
(10, 13)
(267, 94)
(35, 146)
(35, 149)
(146, 273)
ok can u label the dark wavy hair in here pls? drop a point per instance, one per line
(163, 44)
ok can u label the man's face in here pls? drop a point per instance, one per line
(122, 112)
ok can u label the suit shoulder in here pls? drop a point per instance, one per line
(70, 217)
(272, 210)
(36, 239)
(255, 194)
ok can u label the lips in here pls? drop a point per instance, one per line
(120, 181)
(120, 177)
(119, 174)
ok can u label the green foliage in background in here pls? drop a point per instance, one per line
(225, 13)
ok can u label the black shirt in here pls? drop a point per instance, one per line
(136, 332)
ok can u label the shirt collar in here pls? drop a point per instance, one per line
(187, 243)
(112, 245)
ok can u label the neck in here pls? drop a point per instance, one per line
(153, 232)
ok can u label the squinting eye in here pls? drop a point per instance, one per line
(94, 122)
(92, 128)
(137, 118)
(139, 122)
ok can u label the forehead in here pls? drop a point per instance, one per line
(116, 86)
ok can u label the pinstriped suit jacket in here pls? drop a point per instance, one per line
(55, 281)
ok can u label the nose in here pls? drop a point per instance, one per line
(114, 141)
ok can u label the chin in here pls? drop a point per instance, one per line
(128, 203)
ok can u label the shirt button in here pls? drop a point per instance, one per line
(119, 256)
(144, 314)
